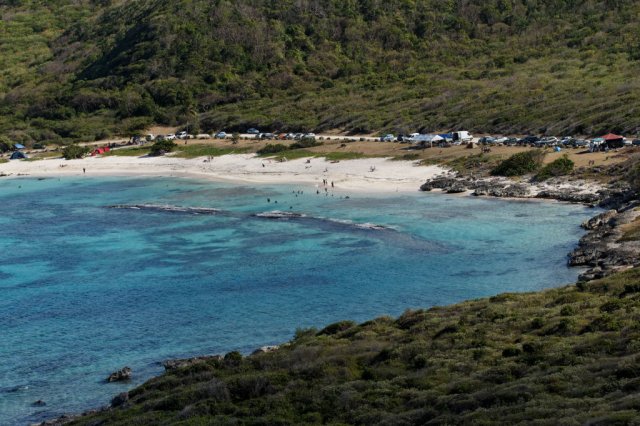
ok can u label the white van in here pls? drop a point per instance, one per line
(462, 136)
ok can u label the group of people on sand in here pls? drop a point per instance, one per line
(325, 182)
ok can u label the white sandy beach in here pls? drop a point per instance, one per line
(363, 175)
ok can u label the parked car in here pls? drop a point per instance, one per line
(501, 140)
(203, 136)
(388, 138)
(253, 131)
(635, 142)
(511, 141)
(182, 135)
(221, 135)
(487, 140)
(528, 140)
(267, 136)
(309, 136)
(549, 140)
(170, 137)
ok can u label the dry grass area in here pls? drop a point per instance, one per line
(631, 231)
(429, 155)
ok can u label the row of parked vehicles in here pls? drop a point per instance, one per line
(548, 141)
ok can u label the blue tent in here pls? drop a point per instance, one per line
(18, 146)
(18, 155)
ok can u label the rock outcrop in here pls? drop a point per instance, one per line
(571, 196)
(603, 250)
(121, 375)
(265, 349)
(120, 399)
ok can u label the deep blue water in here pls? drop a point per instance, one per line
(85, 289)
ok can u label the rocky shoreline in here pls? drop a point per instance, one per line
(577, 192)
(603, 249)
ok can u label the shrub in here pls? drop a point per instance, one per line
(272, 149)
(305, 143)
(162, 147)
(5, 144)
(510, 352)
(633, 177)
(537, 323)
(560, 167)
(336, 328)
(72, 152)
(567, 310)
(519, 164)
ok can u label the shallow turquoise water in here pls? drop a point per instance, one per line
(87, 289)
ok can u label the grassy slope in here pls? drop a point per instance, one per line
(565, 355)
(83, 70)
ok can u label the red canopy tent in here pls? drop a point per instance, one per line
(613, 141)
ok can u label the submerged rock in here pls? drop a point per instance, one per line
(121, 375)
(39, 403)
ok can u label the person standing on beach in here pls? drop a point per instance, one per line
(84, 170)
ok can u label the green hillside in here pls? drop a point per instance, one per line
(562, 356)
(75, 70)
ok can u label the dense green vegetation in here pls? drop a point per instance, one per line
(73, 152)
(570, 354)
(162, 146)
(272, 148)
(87, 69)
(559, 167)
(520, 164)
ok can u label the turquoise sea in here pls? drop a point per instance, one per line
(86, 289)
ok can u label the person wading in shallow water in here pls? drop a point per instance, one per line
(84, 170)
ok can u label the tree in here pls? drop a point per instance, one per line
(162, 147)
(72, 152)
(5, 144)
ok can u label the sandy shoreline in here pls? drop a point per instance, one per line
(362, 175)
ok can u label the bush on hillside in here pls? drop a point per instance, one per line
(305, 143)
(560, 167)
(5, 144)
(162, 147)
(633, 176)
(272, 149)
(520, 164)
(72, 152)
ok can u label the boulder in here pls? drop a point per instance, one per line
(570, 196)
(121, 375)
(120, 399)
(442, 182)
(266, 349)
(456, 188)
(600, 220)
